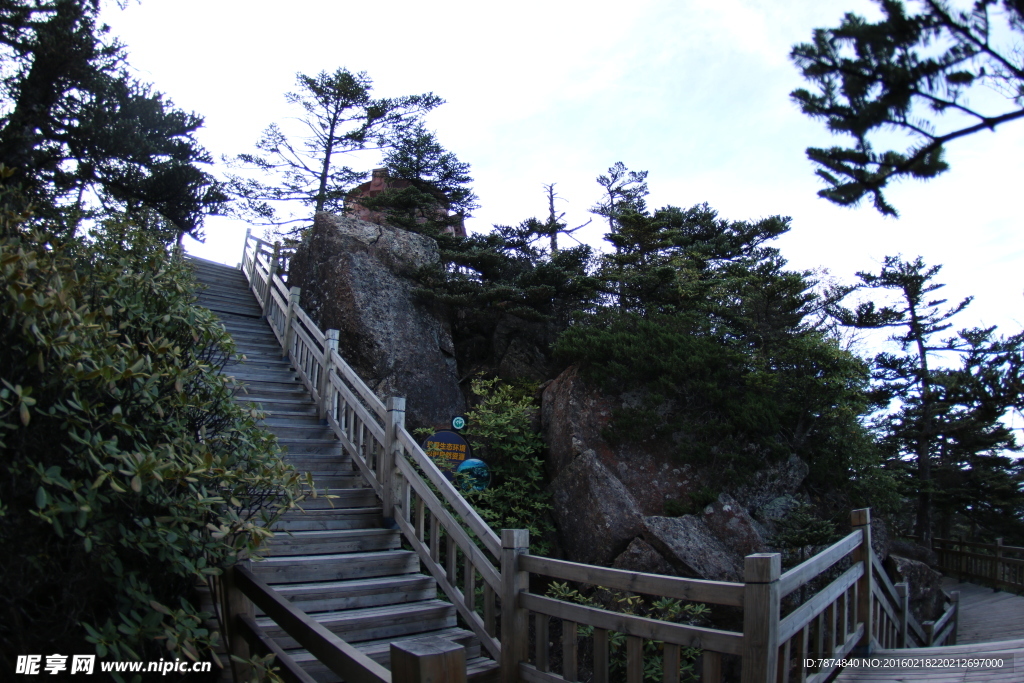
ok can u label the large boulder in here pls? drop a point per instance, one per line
(573, 416)
(927, 598)
(354, 277)
(595, 515)
(692, 549)
(641, 557)
(731, 523)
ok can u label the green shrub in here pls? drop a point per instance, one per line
(129, 475)
(501, 430)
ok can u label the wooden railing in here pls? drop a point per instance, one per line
(857, 607)
(453, 542)
(1000, 566)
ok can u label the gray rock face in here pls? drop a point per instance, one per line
(573, 415)
(691, 548)
(354, 278)
(773, 482)
(595, 515)
(737, 530)
(926, 594)
(639, 556)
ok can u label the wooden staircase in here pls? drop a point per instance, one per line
(333, 559)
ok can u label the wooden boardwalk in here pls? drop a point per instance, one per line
(987, 615)
(991, 626)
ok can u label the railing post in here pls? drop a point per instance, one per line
(514, 619)
(236, 604)
(268, 294)
(761, 610)
(997, 564)
(386, 462)
(294, 294)
(954, 597)
(903, 591)
(428, 660)
(245, 245)
(324, 385)
(861, 519)
(929, 633)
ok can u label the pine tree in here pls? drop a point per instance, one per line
(340, 116)
(946, 421)
(78, 129)
(903, 73)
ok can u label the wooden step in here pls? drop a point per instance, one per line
(310, 446)
(332, 542)
(336, 566)
(375, 623)
(338, 498)
(328, 520)
(334, 596)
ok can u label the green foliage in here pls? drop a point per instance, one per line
(77, 123)
(799, 529)
(129, 474)
(903, 72)
(721, 353)
(500, 428)
(340, 116)
(663, 609)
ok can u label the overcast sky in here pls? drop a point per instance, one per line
(694, 91)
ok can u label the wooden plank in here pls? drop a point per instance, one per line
(601, 670)
(882, 575)
(540, 625)
(711, 667)
(455, 531)
(451, 495)
(340, 657)
(726, 642)
(634, 659)
(883, 602)
(820, 563)
(570, 650)
(670, 664)
(803, 614)
(696, 590)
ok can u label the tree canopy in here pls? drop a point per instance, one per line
(78, 129)
(912, 73)
(339, 116)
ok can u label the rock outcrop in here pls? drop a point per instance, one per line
(691, 548)
(926, 595)
(354, 277)
(595, 515)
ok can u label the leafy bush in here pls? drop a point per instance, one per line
(129, 474)
(501, 429)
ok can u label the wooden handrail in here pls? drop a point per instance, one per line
(340, 657)
(694, 590)
(820, 563)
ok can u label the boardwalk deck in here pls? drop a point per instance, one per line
(991, 627)
(987, 615)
